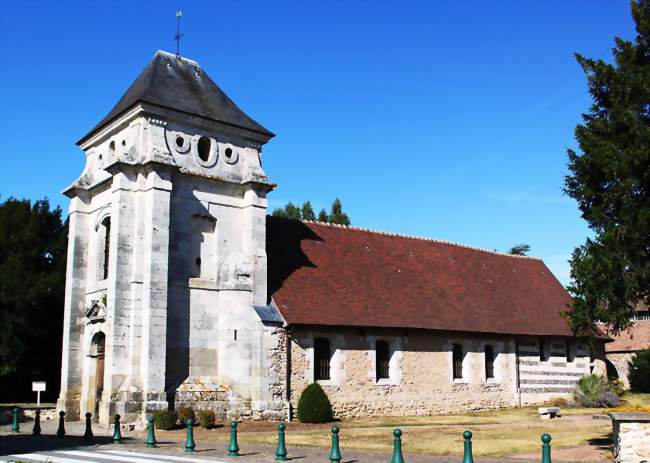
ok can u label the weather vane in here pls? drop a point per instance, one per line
(178, 35)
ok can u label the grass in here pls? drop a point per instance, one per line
(496, 433)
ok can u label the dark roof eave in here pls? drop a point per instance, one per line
(441, 330)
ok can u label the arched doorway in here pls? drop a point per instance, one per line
(96, 376)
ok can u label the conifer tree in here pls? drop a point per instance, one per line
(610, 179)
(33, 242)
(322, 216)
(337, 215)
(307, 211)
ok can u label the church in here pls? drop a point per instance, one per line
(180, 289)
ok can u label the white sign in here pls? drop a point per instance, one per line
(38, 386)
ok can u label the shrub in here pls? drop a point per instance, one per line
(617, 387)
(314, 406)
(206, 418)
(593, 391)
(184, 413)
(639, 373)
(165, 419)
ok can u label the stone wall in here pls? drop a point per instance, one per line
(421, 380)
(552, 375)
(621, 363)
(631, 437)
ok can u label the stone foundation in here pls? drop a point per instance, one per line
(206, 393)
(631, 437)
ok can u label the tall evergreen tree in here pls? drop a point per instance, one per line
(33, 242)
(337, 215)
(610, 180)
(322, 216)
(308, 211)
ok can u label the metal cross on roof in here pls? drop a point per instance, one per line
(178, 35)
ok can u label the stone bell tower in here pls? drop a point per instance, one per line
(166, 298)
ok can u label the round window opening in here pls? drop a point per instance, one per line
(203, 148)
(179, 141)
(228, 153)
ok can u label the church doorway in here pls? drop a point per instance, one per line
(96, 376)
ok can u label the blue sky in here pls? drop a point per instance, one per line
(444, 119)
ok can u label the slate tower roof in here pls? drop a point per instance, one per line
(177, 83)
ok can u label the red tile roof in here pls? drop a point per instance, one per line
(637, 337)
(322, 274)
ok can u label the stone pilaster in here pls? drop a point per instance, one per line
(75, 283)
(157, 203)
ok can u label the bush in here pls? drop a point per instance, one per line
(165, 419)
(314, 406)
(617, 387)
(206, 418)
(639, 374)
(184, 413)
(593, 391)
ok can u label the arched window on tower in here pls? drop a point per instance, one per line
(103, 248)
(382, 352)
(322, 355)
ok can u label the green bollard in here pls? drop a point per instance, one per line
(233, 448)
(61, 431)
(88, 434)
(117, 432)
(15, 426)
(189, 443)
(37, 422)
(335, 453)
(397, 447)
(546, 448)
(281, 451)
(151, 438)
(467, 457)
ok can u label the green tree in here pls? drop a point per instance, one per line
(609, 178)
(520, 249)
(33, 242)
(639, 371)
(289, 211)
(337, 215)
(307, 211)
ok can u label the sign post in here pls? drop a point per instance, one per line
(38, 386)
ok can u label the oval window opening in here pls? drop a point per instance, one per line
(179, 141)
(203, 148)
(228, 153)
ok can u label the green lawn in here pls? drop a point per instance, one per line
(496, 433)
